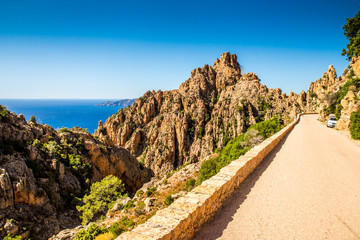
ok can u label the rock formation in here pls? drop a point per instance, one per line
(42, 171)
(166, 129)
(324, 96)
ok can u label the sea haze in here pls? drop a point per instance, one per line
(63, 113)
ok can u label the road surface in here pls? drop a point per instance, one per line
(307, 188)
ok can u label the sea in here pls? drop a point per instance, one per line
(67, 113)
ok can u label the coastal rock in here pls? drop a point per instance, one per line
(41, 170)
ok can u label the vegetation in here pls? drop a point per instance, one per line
(239, 146)
(334, 99)
(105, 236)
(129, 204)
(8, 237)
(150, 191)
(352, 33)
(32, 119)
(355, 125)
(90, 233)
(190, 183)
(101, 195)
(69, 154)
(168, 200)
(4, 113)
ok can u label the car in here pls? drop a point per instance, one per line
(332, 121)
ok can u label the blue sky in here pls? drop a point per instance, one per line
(120, 49)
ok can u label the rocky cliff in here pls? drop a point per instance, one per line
(42, 172)
(336, 95)
(166, 129)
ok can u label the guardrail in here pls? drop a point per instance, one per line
(187, 214)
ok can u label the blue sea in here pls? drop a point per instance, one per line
(62, 113)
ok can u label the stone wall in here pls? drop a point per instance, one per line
(187, 214)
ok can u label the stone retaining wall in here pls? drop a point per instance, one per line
(187, 214)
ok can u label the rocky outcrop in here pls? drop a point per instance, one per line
(349, 105)
(331, 94)
(166, 129)
(355, 65)
(42, 171)
(322, 92)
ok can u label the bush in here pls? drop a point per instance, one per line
(90, 233)
(168, 200)
(101, 195)
(4, 113)
(150, 191)
(355, 125)
(116, 229)
(268, 127)
(139, 193)
(32, 119)
(127, 223)
(239, 146)
(129, 204)
(105, 236)
(8, 237)
(64, 129)
(190, 183)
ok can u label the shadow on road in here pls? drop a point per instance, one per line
(214, 228)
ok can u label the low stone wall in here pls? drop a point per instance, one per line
(187, 214)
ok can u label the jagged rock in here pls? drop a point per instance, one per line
(6, 190)
(165, 130)
(355, 64)
(36, 183)
(349, 105)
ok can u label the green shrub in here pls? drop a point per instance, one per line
(32, 119)
(139, 193)
(101, 195)
(355, 125)
(116, 229)
(127, 223)
(269, 127)
(90, 233)
(168, 200)
(150, 191)
(239, 146)
(129, 204)
(140, 205)
(64, 129)
(8, 237)
(190, 183)
(4, 113)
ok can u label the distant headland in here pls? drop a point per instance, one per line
(119, 103)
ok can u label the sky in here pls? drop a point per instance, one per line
(114, 49)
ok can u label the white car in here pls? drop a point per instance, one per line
(332, 121)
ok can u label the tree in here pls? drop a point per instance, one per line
(32, 119)
(101, 195)
(352, 32)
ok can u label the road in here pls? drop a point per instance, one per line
(307, 188)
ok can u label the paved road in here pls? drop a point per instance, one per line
(307, 188)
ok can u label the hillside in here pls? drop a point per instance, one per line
(166, 129)
(44, 173)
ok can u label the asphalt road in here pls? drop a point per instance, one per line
(307, 188)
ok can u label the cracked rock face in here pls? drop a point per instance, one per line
(166, 129)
